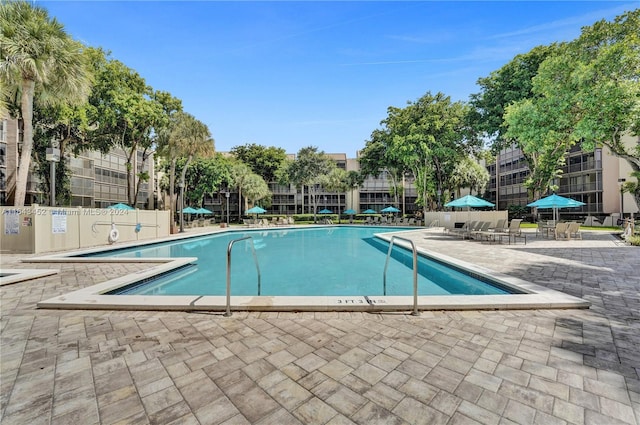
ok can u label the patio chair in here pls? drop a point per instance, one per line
(573, 230)
(501, 226)
(513, 231)
(561, 231)
(477, 233)
(464, 230)
(540, 228)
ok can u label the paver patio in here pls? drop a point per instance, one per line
(466, 367)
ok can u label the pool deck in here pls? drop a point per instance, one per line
(570, 366)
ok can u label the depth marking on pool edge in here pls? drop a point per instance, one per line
(366, 300)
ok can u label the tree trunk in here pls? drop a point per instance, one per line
(139, 182)
(182, 188)
(26, 104)
(172, 188)
(129, 171)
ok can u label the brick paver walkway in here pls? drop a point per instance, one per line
(478, 367)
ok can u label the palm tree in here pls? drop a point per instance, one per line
(241, 173)
(39, 61)
(192, 139)
(255, 188)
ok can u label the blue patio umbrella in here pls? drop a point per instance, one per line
(349, 212)
(120, 206)
(369, 211)
(470, 202)
(255, 210)
(203, 211)
(325, 211)
(555, 201)
(390, 210)
(189, 210)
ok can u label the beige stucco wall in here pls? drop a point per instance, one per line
(448, 219)
(45, 229)
(614, 169)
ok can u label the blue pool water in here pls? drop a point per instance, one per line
(309, 262)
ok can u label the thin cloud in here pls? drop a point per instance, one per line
(572, 22)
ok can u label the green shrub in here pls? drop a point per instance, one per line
(634, 240)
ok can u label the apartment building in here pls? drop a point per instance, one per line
(594, 178)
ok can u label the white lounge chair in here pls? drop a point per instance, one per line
(561, 231)
(512, 232)
(573, 231)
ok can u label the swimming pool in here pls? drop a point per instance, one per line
(320, 261)
(525, 294)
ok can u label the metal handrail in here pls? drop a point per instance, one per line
(255, 258)
(415, 272)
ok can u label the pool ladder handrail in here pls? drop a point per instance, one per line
(255, 258)
(415, 311)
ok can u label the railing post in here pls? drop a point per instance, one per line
(255, 258)
(415, 311)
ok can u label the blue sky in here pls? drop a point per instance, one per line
(296, 74)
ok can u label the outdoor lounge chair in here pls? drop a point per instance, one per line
(512, 232)
(561, 230)
(501, 226)
(465, 229)
(573, 231)
(482, 227)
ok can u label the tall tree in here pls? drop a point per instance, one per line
(240, 173)
(429, 136)
(66, 127)
(588, 92)
(509, 84)
(128, 114)
(353, 181)
(167, 144)
(336, 181)
(308, 170)
(194, 140)
(256, 189)
(205, 177)
(39, 60)
(264, 161)
(377, 157)
(469, 173)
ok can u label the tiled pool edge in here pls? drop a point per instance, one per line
(536, 297)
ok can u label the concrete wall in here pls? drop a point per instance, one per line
(614, 169)
(38, 229)
(449, 218)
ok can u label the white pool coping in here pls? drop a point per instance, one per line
(11, 276)
(535, 296)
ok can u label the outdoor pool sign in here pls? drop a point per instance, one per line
(59, 221)
(11, 222)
